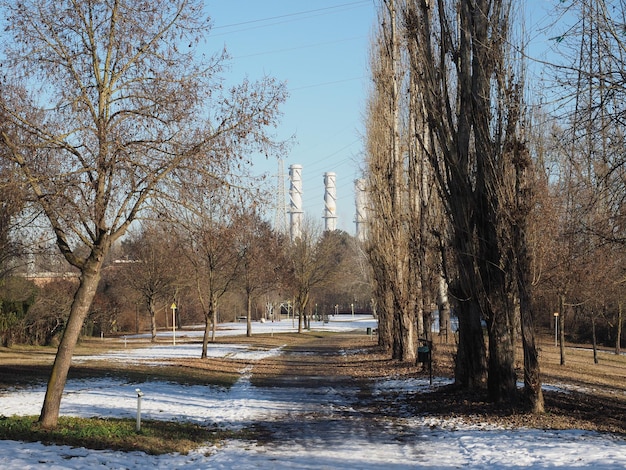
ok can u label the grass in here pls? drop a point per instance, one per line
(155, 437)
(30, 365)
(601, 406)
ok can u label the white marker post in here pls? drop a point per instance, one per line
(139, 395)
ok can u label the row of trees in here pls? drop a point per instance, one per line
(237, 267)
(451, 180)
(585, 155)
(229, 262)
(516, 207)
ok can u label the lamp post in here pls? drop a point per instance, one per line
(173, 307)
(556, 328)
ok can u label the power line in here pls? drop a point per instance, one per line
(326, 83)
(306, 46)
(300, 13)
(321, 161)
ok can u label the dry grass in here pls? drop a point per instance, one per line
(608, 377)
(588, 395)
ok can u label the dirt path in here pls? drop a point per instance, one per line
(337, 374)
(350, 366)
(329, 358)
(316, 359)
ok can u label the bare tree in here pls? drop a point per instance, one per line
(207, 233)
(590, 175)
(472, 101)
(377, 149)
(261, 254)
(12, 202)
(107, 105)
(313, 261)
(150, 270)
(393, 247)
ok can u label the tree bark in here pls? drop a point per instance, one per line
(620, 322)
(385, 318)
(153, 325)
(407, 335)
(445, 328)
(470, 370)
(205, 336)
(210, 323)
(80, 308)
(532, 374)
(214, 305)
(248, 314)
(524, 195)
(561, 320)
(501, 383)
(593, 338)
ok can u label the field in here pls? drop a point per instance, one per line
(318, 397)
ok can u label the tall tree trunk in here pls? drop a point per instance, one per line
(385, 319)
(78, 312)
(501, 382)
(561, 320)
(205, 336)
(532, 375)
(248, 314)
(443, 306)
(407, 343)
(594, 338)
(494, 288)
(214, 305)
(471, 362)
(620, 322)
(523, 263)
(408, 337)
(396, 328)
(153, 325)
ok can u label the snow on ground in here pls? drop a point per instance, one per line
(290, 325)
(155, 354)
(321, 430)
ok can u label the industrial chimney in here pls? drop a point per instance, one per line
(296, 213)
(330, 202)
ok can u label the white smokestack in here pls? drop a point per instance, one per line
(330, 202)
(361, 211)
(295, 201)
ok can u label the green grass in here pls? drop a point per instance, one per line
(155, 437)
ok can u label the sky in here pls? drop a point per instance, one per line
(333, 428)
(320, 49)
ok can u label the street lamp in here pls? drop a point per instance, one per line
(556, 328)
(173, 307)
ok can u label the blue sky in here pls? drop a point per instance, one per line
(320, 49)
